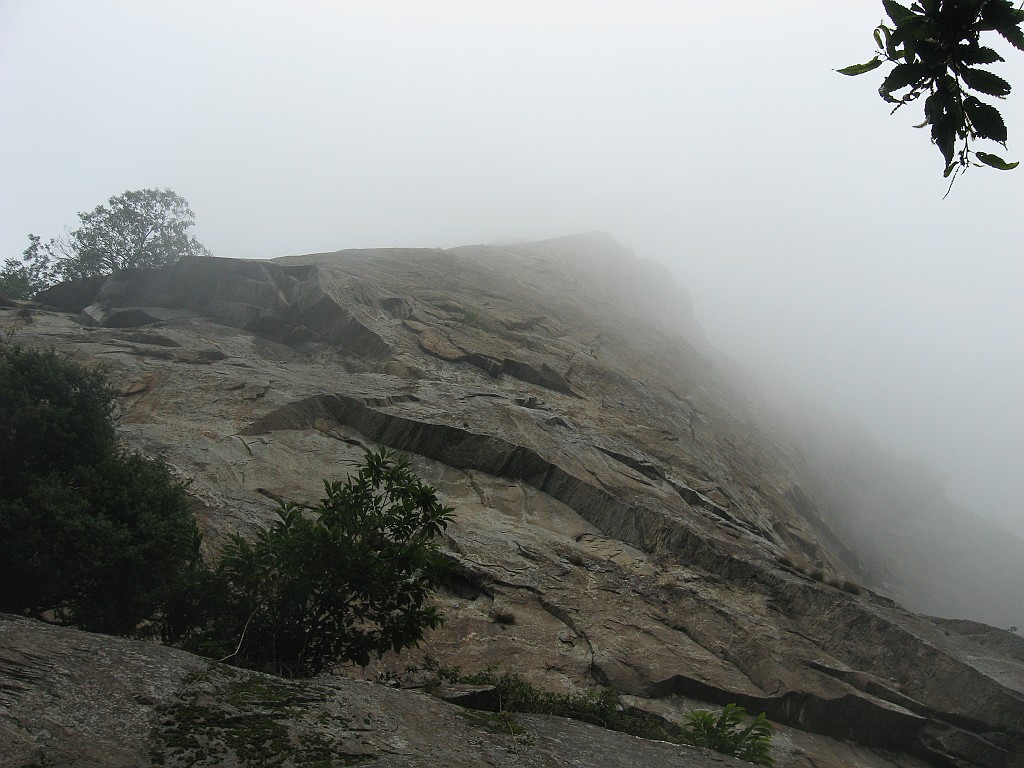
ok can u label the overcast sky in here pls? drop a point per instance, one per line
(715, 137)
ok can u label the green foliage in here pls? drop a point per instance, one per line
(56, 415)
(935, 49)
(470, 317)
(726, 734)
(517, 695)
(140, 228)
(35, 271)
(104, 540)
(340, 581)
(598, 707)
(89, 535)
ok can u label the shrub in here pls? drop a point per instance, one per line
(89, 535)
(104, 540)
(337, 582)
(725, 734)
(503, 616)
(852, 587)
(56, 415)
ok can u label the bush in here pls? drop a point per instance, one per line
(852, 587)
(503, 616)
(341, 581)
(89, 535)
(725, 734)
(104, 540)
(56, 415)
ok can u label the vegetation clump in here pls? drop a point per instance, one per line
(936, 52)
(503, 616)
(850, 586)
(90, 535)
(724, 733)
(342, 580)
(727, 734)
(102, 539)
(597, 706)
(139, 228)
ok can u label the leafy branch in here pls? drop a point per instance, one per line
(935, 47)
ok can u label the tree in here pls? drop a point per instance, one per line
(89, 535)
(340, 581)
(935, 49)
(140, 228)
(35, 271)
(144, 228)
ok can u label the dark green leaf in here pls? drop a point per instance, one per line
(903, 75)
(913, 28)
(944, 136)
(995, 162)
(985, 119)
(1014, 36)
(909, 51)
(949, 169)
(890, 45)
(860, 69)
(930, 52)
(984, 81)
(979, 55)
(907, 34)
(878, 38)
(896, 11)
(936, 105)
(997, 14)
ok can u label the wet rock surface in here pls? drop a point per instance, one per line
(621, 504)
(84, 700)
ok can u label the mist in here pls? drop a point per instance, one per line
(808, 225)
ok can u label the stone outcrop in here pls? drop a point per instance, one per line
(625, 515)
(69, 698)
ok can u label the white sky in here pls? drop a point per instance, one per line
(714, 137)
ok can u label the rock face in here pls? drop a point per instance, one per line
(86, 701)
(624, 513)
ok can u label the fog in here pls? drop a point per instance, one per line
(807, 223)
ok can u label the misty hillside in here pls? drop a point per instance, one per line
(629, 511)
(934, 556)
